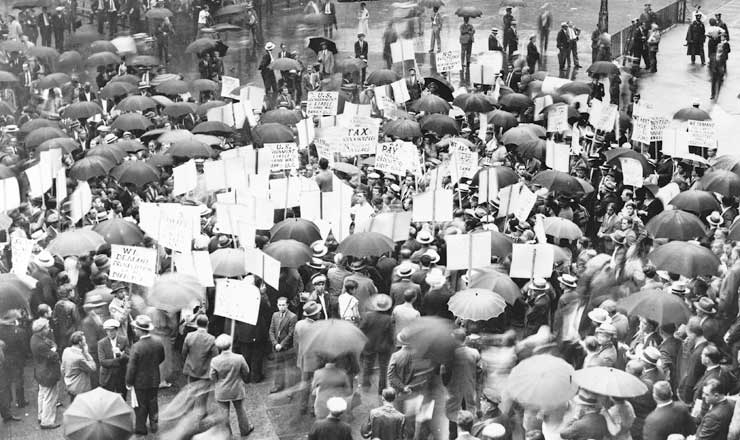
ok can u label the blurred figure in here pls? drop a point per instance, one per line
(230, 373)
(78, 366)
(47, 368)
(332, 428)
(385, 422)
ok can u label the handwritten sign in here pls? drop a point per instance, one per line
(448, 61)
(518, 200)
(229, 84)
(284, 156)
(389, 158)
(196, 263)
(641, 129)
(10, 196)
(484, 73)
(322, 103)
(133, 264)
(602, 116)
(176, 226)
(306, 132)
(238, 300)
(702, 134)
(632, 171)
(532, 260)
(557, 118)
(21, 252)
(463, 164)
(402, 50)
(359, 136)
(657, 125)
(400, 91)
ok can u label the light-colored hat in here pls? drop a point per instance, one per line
(568, 280)
(336, 405)
(39, 325)
(433, 255)
(311, 308)
(705, 305)
(493, 431)
(10, 128)
(94, 301)
(650, 355)
(586, 398)
(538, 284)
(435, 278)
(424, 237)
(599, 315)
(316, 263)
(405, 270)
(111, 324)
(318, 278)
(715, 218)
(143, 322)
(110, 138)
(270, 45)
(44, 259)
(679, 288)
(357, 266)
(381, 302)
(373, 175)
(607, 328)
(319, 248)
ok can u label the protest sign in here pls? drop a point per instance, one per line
(39, 179)
(557, 156)
(21, 250)
(702, 134)
(657, 125)
(463, 164)
(10, 195)
(557, 118)
(196, 263)
(306, 132)
(255, 96)
(286, 192)
(325, 142)
(238, 300)
(675, 141)
(602, 116)
(400, 91)
(226, 197)
(540, 102)
(580, 102)
(532, 260)
(322, 103)
(384, 101)
(642, 110)
(359, 136)
(394, 225)
(186, 178)
(224, 113)
(631, 171)
(149, 214)
(351, 109)
(483, 126)
(262, 265)
(176, 226)
(133, 264)
(468, 251)
(284, 156)
(641, 129)
(60, 183)
(389, 158)
(327, 121)
(487, 185)
(402, 50)
(80, 202)
(433, 206)
(668, 192)
(551, 84)
(448, 61)
(228, 85)
(332, 207)
(516, 199)
(483, 73)
(214, 174)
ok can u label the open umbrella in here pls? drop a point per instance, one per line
(468, 11)
(129, 145)
(561, 229)
(271, 133)
(497, 282)
(613, 157)
(314, 43)
(346, 168)
(693, 113)
(349, 65)
(724, 182)
(298, 229)
(98, 414)
(535, 149)
(203, 108)
(77, 242)
(557, 182)
(6, 109)
(131, 122)
(136, 172)
(175, 291)
(440, 124)
(33, 124)
(91, 166)
(541, 381)
(366, 244)
(67, 144)
(136, 103)
(432, 104)
(382, 77)
(102, 59)
(201, 45)
(226, 27)
(103, 46)
(228, 262)
(158, 13)
(676, 224)
(12, 46)
(84, 35)
(169, 136)
(285, 63)
(56, 79)
(28, 4)
(179, 109)
(330, 338)
(608, 381)
(173, 87)
(215, 128)
(502, 119)
(39, 135)
(191, 148)
(431, 337)
(443, 88)
(281, 116)
(684, 258)
(505, 176)
(120, 231)
(474, 103)
(14, 293)
(476, 304)
(290, 253)
(208, 139)
(160, 160)
(603, 68)
(82, 110)
(575, 88)
(695, 201)
(203, 85)
(70, 58)
(727, 162)
(518, 136)
(515, 101)
(127, 78)
(145, 61)
(6, 77)
(656, 305)
(107, 151)
(402, 129)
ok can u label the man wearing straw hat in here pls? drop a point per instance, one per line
(332, 427)
(113, 356)
(589, 423)
(142, 375)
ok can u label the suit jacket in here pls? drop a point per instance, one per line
(378, 327)
(384, 423)
(83, 96)
(361, 49)
(112, 368)
(716, 423)
(326, 58)
(562, 39)
(198, 349)
(589, 426)
(40, 23)
(143, 364)
(691, 370)
(670, 419)
(47, 363)
(93, 333)
(330, 429)
(282, 330)
(229, 373)
(397, 289)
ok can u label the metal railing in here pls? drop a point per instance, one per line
(667, 18)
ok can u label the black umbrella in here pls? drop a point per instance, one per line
(314, 43)
(603, 68)
(443, 87)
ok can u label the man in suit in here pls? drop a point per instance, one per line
(47, 371)
(100, 7)
(198, 349)
(330, 11)
(669, 417)
(377, 326)
(385, 422)
(43, 21)
(284, 53)
(86, 94)
(729, 211)
(16, 351)
(332, 428)
(252, 341)
(691, 368)
(361, 53)
(112, 10)
(268, 75)
(399, 288)
(230, 373)
(113, 354)
(282, 327)
(562, 42)
(58, 25)
(459, 376)
(325, 58)
(589, 424)
(716, 423)
(92, 326)
(436, 30)
(404, 314)
(670, 350)
(306, 361)
(142, 374)
(711, 358)
(365, 286)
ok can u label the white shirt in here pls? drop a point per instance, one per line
(112, 7)
(327, 8)
(570, 324)
(348, 307)
(203, 16)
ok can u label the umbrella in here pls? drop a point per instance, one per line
(208, 139)
(175, 291)
(575, 88)
(382, 77)
(228, 262)
(12, 46)
(7, 77)
(656, 305)
(271, 133)
(443, 87)
(164, 77)
(158, 13)
(102, 59)
(281, 116)
(56, 79)
(518, 136)
(109, 152)
(6, 109)
(191, 148)
(476, 304)
(179, 109)
(502, 119)
(169, 136)
(468, 11)
(724, 182)
(402, 129)
(41, 134)
(513, 3)
(28, 4)
(515, 101)
(536, 130)
(505, 176)
(290, 253)
(535, 149)
(431, 3)
(349, 65)
(692, 159)
(145, 61)
(131, 122)
(603, 68)
(78, 242)
(334, 337)
(226, 27)
(474, 103)
(14, 293)
(727, 162)
(203, 108)
(432, 104)
(558, 182)
(201, 45)
(346, 168)
(129, 145)
(204, 85)
(608, 381)
(160, 160)
(70, 58)
(684, 258)
(366, 244)
(561, 229)
(431, 337)
(541, 381)
(298, 229)
(135, 171)
(440, 124)
(100, 414)
(82, 110)
(215, 128)
(84, 35)
(497, 282)
(695, 201)
(103, 46)
(33, 124)
(230, 10)
(173, 87)
(67, 144)
(91, 166)
(135, 103)
(314, 43)
(127, 78)
(120, 231)
(116, 89)
(675, 224)
(285, 64)
(613, 158)
(692, 114)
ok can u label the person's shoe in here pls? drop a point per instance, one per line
(12, 419)
(54, 426)
(274, 390)
(249, 431)
(153, 427)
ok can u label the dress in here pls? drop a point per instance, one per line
(362, 26)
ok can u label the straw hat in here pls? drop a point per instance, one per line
(44, 259)
(143, 322)
(381, 302)
(311, 308)
(599, 315)
(650, 355)
(705, 305)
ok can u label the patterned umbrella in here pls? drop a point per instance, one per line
(476, 304)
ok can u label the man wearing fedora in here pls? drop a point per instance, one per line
(16, 338)
(268, 75)
(711, 358)
(306, 361)
(377, 325)
(92, 326)
(588, 423)
(365, 286)
(47, 372)
(706, 310)
(282, 327)
(113, 356)
(398, 289)
(142, 374)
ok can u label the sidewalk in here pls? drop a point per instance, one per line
(678, 83)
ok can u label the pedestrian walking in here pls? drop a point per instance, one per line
(47, 372)
(544, 22)
(695, 36)
(142, 375)
(282, 327)
(718, 65)
(15, 336)
(385, 422)
(363, 19)
(653, 42)
(378, 327)
(533, 55)
(467, 37)
(332, 427)
(563, 44)
(437, 23)
(198, 349)
(230, 374)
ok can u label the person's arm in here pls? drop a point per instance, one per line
(709, 428)
(291, 330)
(186, 347)
(131, 367)
(244, 370)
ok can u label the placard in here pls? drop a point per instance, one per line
(702, 134)
(185, 177)
(540, 102)
(463, 164)
(557, 156)
(21, 252)
(433, 206)
(255, 96)
(176, 226)
(10, 195)
(351, 109)
(389, 158)
(484, 73)
(229, 84)
(39, 179)
(641, 129)
(518, 200)
(631, 171)
(557, 118)
(286, 192)
(195, 262)
(214, 175)
(80, 202)
(675, 141)
(483, 127)
(306, 132)
(487, 185)
(238, 300)
(402, 50)
(262, 265)
(400, 91)
(322, 103)
(532, 260)
(658, 124)
(324, 147)
(133, 264)
(333, 208)
(468, 251)
(551, 84)
(394, 225)
(603, 116)
(448, 61)
(359, 136)
(284, 156)
(60, 185)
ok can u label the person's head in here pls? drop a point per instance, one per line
(712, 22)
(389, 395)
(693, 328)
(627, 195)
(667, 330)
(323, 163)
(282, 304)
(283, 47)
(77, 339)
(465, 420)
(435, 9)
(363, 5)
(412, 72)
(361, 36)
(710, 356)
(635, 367)
(100, 278)
(223, 342)
(202, 321)
(43, 311)
(111, 328)
(662, 392)
(648, 326)
(350, 286)
(336, 406)
(713, 391)
(466, 20)
(409, 295)
(41, 327)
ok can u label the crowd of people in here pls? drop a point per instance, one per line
(642, 288)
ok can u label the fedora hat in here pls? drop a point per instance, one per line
(44, 259)
(568, 280)
(424, 237)
(493, 431)
(405, 270)
(357, 266)
(94, 301)
(319, 249)
(311, 308)
(705, 305)
(101, 262)
(715, 219)
(435, 278)
(270, 45)
(381, 302)
(118, 286)
(607, 328)
(585, 398)
(650, 355)
(143, 323)
(599, 315)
